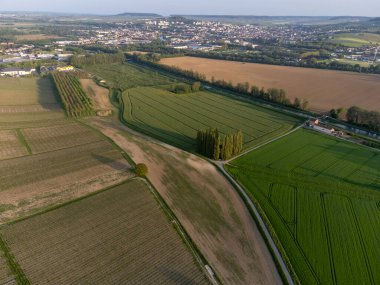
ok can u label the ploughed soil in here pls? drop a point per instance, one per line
(324, 89)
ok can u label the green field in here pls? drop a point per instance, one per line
(119, 236)
(356, 39)
(124, 76)
(322, 197)
(175, 118)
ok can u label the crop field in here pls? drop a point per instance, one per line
(124, 76)
(130, 241)
(175, 118)
(5, 274)
(27, 91)
(28, 101)
(356, 39)
(74, 99)
(46, 158)
(322, 198)
(324, 89)
(10, 145)
(45, 139)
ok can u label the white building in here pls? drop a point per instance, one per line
(17, 71)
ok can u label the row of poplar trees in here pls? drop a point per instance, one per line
(213, 145)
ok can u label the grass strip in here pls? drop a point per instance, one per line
(15, 268)
(23, 141)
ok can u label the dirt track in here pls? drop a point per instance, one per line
(325, 89)
(222, 229)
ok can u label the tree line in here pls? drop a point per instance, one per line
(271, 94)
(100, 58)
(183, 88)
(212, 144)
(277, 58)
(364, 118)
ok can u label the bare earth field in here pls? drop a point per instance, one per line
(98, 95)
(45, 158)
(205, 203)
(5, 274)
(325, 89)
(128, 241)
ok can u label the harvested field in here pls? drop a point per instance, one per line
(27, 91)
(24, 101)
(130, 241)
(325, 89)
(321, 196)
(176, 118)
(206, 205)
(45, 139)
(10, 145)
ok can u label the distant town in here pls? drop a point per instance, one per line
(287, 43)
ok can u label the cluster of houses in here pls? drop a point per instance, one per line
(16, 72)
(22, 72)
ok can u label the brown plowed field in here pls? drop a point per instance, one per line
(325, 89)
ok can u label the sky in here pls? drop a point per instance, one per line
(214, 7)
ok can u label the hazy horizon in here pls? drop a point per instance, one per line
(368, 8)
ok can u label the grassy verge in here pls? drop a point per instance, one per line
(23, 141)
(200, 259)
(15, 268)
(270, 229)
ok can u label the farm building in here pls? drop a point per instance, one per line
(13, 72)
(66, 68)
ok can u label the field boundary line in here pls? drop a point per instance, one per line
(264, 229)
(52, 208)
(263, 144)
(13, 265)
(362, 243)
(328, 238)
(201, 260)
(23, 141)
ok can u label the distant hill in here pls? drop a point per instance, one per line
(139, 15)
(376, 20)
(268, 20)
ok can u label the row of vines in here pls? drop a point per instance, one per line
(73, 97)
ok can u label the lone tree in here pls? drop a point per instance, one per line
(196, 86)
(141, 170)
